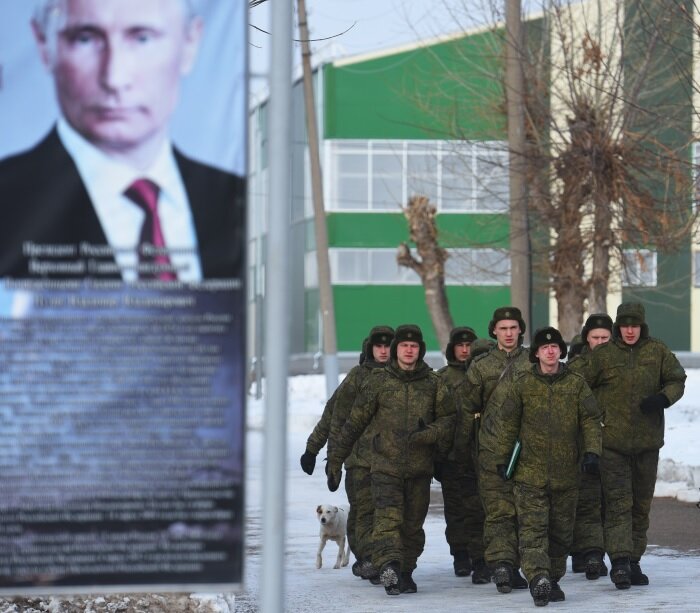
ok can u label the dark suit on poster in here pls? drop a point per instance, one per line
(43, 200)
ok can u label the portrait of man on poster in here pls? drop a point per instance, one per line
(106, 193)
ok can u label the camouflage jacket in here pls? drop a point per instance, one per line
(318, 437)
(455, 376)
(550, 415)
(621, 376)
(388, 409)
(487, 371)
(346, 394)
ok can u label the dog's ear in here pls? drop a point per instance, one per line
(318, 509)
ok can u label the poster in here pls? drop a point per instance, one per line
(122, 297)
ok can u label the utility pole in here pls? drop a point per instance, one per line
(325, 289)
(519, 231)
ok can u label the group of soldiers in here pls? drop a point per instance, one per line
(538, 458)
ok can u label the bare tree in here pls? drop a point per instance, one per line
(431, 265)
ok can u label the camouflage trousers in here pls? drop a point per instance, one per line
(400, 507)
(628, 490)
(358, 487)
(464, 513)
(588, 528)
(500, 523)
(546, 524)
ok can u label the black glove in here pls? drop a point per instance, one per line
(501, 470)
(333, 477)
(308, 462)
(655, 402)
(422, 435)
(437, 471)
(590, 463)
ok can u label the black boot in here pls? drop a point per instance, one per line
(407, 585)
(503, 576)
(556, 594)
(462, 563)
(621, 573)
(637, 576)
(540, 588)
(578, 564)
(603, 567)
(481, 574)
(517, 581)
(593, 560)
(390, 575)
(356, 568)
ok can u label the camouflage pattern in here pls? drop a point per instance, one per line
(550, 414)
(557, 419)
(588, 527)
(400, 507)
(621, 376)
(464, 513)
(628, 489)
(319, 436)
(545, 517)
(357, 481)
(388, 409)
(485, 373)
(358, 488)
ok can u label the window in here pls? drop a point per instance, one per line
(639, 268)
(381, 175)
(379, 267)
(696, 269)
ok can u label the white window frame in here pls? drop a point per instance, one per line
(640, 268)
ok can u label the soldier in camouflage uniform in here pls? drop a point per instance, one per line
(635, 378)
(375, 354)
(408, 413)
(357, 465)
(464, 513)
(550, 411)
(587, 549)
(485, 373)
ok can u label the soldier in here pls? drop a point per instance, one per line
(357, 465)
(464, 513)
(483, 376)
(375, 354)
(408, 414)
(587, 549)
(549, 410)
(635, 378)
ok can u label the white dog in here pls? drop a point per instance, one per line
(333, 522)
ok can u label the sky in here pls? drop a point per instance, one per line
(675, 577)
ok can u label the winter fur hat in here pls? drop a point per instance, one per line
(597, 320)
(506, 312)
(408, 332)
(575, 347)
(380, 335)
(631, 314)
(458, 335)
(363, 353)
(481, 345)
(546, 336)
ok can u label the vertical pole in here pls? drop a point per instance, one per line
(325, 289)
(515, 98)
(277, 311)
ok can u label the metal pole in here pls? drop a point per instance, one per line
(325, 289)
(277, 311)
(519, 231)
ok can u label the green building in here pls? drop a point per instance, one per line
(426, 119)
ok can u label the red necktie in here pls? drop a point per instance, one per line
(144, 193)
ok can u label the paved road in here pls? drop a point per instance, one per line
(674, 525)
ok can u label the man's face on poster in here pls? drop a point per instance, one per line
(117, 66)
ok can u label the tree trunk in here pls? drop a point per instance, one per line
(431, 266)
(600, 273)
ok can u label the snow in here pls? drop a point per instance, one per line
(675, 576)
